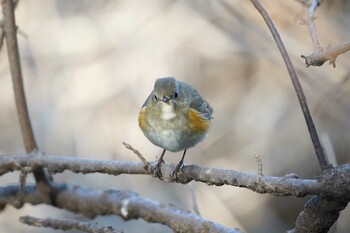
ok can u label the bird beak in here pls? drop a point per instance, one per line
(165, 99)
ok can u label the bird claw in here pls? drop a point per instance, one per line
(176, 171)
(158, 169)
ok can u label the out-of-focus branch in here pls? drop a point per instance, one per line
(322, 159)
(9, 29)
(311, 24)
(2, 35)
(319, 214)
(322, 55)
(312, 6)
(16, 73)
(127, 205)
(67, 224)
(328, 184)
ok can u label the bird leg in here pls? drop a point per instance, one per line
(179, 166)
(158, 166)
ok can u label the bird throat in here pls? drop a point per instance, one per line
(167, 111)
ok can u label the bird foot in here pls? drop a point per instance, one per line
(158, 168)
(177, 169)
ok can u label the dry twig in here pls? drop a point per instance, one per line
(259, 161)
(129, 147)
(321, 54)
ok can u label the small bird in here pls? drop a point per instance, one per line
(174, 117)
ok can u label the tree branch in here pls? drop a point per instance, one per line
(8, 7)
(307, 216)
(67, 224)
(331, 183)
(311, 24)
(319, 214)
(322, 159)
(127, 205)
(16, 73)
(320, 56)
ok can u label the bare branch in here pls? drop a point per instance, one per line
(311, 24)
(330, 54)
(145, 162)
(66, 224)
(259, 162)
(281, 186)
(319, 215)
(127, 205)
(58, 164)
(8, 7)
(311, 217)
(16, 73)
(321, 54)
(2, 34)
(322, 159)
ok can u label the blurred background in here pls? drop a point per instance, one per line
(89, 66)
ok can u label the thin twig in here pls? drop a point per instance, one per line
(8, 7)
(322, 159)
(259, 162)
(144, 161)
(67, 224)
(16, 73)
(311, 24)
(2, 34)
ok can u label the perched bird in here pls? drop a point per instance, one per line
(174, 117)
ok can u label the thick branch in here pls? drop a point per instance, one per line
(127, 205)
(331, 183)
(322, 159)
(8, 7)
(319, 214)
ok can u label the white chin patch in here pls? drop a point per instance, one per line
(167, 111)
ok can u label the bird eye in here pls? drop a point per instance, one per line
(155, 97)
(176, 95)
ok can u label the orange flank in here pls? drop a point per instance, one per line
(197, 123)
(142, 118)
